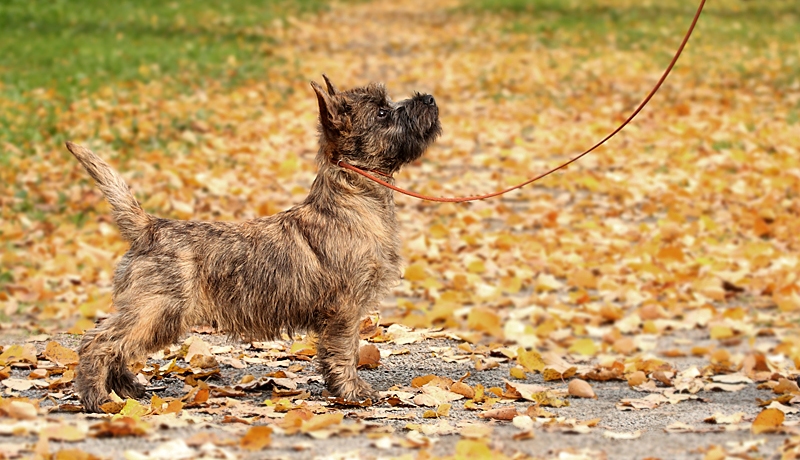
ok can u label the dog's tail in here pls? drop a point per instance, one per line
(128, 213)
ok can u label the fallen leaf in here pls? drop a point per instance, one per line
(20, 410)
(637, 378)
(65, 432)
(622, 435)
(768, 421)
(786, 386)
(197, 347)
(500, 413)
(321, 421)
(257, 438)
(580, 389)
(119, 427)
(531, 361)
(60, 355)
(369, 357)
(722, 419)
(18, 384)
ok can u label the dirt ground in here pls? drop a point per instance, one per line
(669, 431)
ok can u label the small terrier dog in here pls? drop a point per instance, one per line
(319, 266)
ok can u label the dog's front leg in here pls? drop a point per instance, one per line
(337, 352)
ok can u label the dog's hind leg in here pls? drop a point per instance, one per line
(153, 323)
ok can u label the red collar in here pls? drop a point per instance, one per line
(374, 171)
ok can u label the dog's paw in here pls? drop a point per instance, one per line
(358, 390)
(132, 391)
(126, 385)
(92, 403)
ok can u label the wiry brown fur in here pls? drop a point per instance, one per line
(319, 266)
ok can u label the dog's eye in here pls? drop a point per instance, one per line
(382, 113)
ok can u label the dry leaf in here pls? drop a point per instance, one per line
(721, 419)
(369, 357)
(60, 355)
(257, 438)
(637, 378)
(531, 361)
(197, 347)
(20, 410)
(622, 435)
(768, 421)
(462, 389)
(65, 432)
(319, 422)
(580, 389)
(500, 413)
(119, 427)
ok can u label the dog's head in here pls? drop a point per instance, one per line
(365, 128)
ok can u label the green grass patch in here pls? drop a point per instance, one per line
(71, 46)
(634, 24)
(54, 51)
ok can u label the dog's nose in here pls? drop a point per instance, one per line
(428, 100)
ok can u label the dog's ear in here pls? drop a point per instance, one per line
(331, 89)
(329, 112)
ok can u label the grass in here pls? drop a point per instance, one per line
(53, 51)
(632, 24)
(71, 46)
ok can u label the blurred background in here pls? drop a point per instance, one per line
(206, 109)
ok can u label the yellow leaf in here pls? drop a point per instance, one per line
(637, 378)
(63, 432)
(721, 332)
(485, 320)
(415, 272)
(650, 327)
(473, 450)
(18, 354)
(73, 454)
(476, 266)
(463, 389)
(60, 355)
(256, 438)
(786, 302)
(511, 284)
(303, 348)
(670, 254)
(582, 279)
(20, 410)
(133, 409)
(112, 407)
(530, 360)
(321, 421)
(768, 421)
(438, 231)
(547, 282)
(517, 372)
(173, 407)
(585, 346)
(550, 374)
(294, 419)
(418, 382)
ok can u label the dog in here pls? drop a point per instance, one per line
(319, 266)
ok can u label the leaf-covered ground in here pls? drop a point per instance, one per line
(643, 302)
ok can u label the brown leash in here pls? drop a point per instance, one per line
(501, 192)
